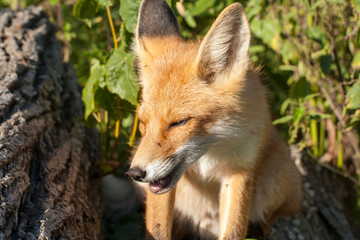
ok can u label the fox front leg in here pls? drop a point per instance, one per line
(235, 199)
(159, 215)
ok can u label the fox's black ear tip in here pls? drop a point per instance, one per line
(156, 19)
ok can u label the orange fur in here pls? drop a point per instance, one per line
(207, 129)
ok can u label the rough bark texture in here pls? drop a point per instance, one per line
(46, 155)
(322, 216)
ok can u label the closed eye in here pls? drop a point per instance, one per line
(179, 123)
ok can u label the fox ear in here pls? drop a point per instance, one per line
(156, 19)
(225, 48)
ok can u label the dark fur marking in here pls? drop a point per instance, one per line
(156, 19)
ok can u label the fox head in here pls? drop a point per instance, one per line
(190, 90)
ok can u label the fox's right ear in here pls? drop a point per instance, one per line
(155, 20)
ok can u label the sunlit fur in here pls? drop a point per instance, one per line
(229, 164)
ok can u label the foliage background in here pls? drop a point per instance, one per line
(309, 51)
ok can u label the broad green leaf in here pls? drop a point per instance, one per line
(129, 13)
(356, 60)
(325, 63)
(284, 119)
(105, 100)
(85, 8)
(105, 2)
(353, 96)
(97, 72)
(120, 76)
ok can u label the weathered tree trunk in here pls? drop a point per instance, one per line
(322, 216)
(46, 155)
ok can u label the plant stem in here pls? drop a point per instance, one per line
(112, 27)
(136, 120)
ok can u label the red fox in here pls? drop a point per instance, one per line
(209, 158)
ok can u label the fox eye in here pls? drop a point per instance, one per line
(179, 123)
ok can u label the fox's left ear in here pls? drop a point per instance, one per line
(224, 52)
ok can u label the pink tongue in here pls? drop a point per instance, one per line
(156, 186)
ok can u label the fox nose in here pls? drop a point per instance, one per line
(136, 174)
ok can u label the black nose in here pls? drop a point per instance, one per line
(136, 174)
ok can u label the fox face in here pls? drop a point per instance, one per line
(191, 91)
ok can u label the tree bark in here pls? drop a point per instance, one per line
(322, 215)
(47, 156)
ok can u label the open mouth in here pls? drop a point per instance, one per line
(164, 184)
(158, 185)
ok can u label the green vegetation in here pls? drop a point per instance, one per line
(309, 51)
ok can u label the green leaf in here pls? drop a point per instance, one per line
(129, 13)
(256, 49)
(253, 11)
(298, 113)
(356, 4)
(300, 89)
(105, 100)
(302, 68)
(171, 3)
(54, 2)
(310, 96)
(85, 8)
(201, 6)
(290, 68)
(289, 52)
(356, 60)
(353, 96)
(97, 72)
(285, 105)
(105, 2)
(284, 119)
(325, 62)
(316, 33)
(266, 30)
(190, 20)
(337, 1)
(315, 115)
(120, 76)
